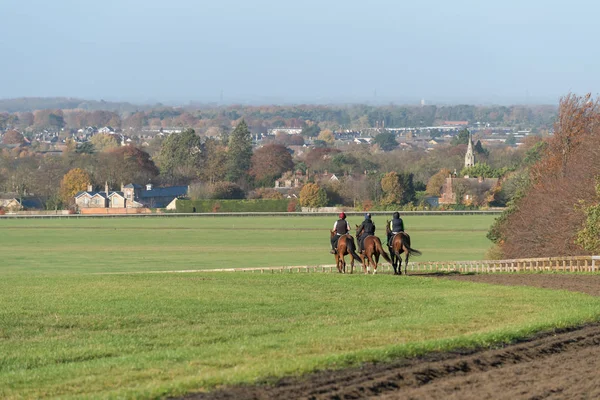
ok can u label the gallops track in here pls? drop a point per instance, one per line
(557, 365)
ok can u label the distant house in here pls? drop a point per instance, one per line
(473, 190)
(456, 123)
(130, 196)
(14, 202)
(106, 129)
(363, 140)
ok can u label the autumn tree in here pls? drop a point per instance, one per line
(319, 159)
(269, 162)
(226, 190)
(123, 165)
(13, 137)
(48, 181)
(74, 181)
(588, 237)
(435, 183)
(392, 190)
(239, 153)
(313, 196)
(543, 220)
(327, 136)
(104, 141)
(48, 119)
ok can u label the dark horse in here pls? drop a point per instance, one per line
(345, 245)
(400, 244)
(372, 250)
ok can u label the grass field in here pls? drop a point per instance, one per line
(67, 332)
(151, 244)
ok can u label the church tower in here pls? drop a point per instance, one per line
(470, 156)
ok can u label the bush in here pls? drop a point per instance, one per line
(207, 206)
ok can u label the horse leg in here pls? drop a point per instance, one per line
(376, 256)
(338, 263)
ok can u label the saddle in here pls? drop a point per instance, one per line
(391, 239)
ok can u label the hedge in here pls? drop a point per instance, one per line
(207, 206)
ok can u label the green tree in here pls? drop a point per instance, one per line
(479, 170)
(310, 130)
(313, 196)
(181, 154)
(386, 141)
(239, 153)
(511, 140)
(85, 148)
(479, 149)
(461, 138)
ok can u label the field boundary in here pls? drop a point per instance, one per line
(546, 264)
(246, 214)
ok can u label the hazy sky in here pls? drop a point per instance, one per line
(279, 51)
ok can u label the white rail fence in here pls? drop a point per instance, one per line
(548, 264)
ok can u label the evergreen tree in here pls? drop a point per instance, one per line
(181, 154)
(239, 154)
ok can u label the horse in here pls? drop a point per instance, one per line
(400, 244)
(345, 246)
(372, 249)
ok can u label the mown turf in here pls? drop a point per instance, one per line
(151, 244)
(68, 332)
(152, 335)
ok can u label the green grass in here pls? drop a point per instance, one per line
(145, 336)
(67, 332)
(151, 244)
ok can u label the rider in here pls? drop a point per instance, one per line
(340, 227)
(396, 226)
(368, 228)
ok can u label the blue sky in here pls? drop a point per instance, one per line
(267, 51)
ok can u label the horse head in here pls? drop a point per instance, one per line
(357, 230)
(387, 227)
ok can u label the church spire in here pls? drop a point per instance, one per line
(470, 156)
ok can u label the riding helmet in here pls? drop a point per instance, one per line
(342, 215)
(368, 216)
(396, 214)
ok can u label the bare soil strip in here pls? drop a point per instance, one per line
(556, 365)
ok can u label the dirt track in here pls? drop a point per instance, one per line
(562, 365)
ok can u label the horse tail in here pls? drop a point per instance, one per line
(410, 250)
(351, 249)
(382, 251)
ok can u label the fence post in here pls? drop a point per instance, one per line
(594, 258)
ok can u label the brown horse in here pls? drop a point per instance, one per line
(372, 249)
(345, 246)
(400, 244)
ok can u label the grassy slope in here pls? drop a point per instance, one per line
(108, 245)
(151, 335)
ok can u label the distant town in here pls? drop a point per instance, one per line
(358, 156)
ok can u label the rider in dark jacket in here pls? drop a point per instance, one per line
(340, 227)
(396, 226)
(368, 228)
